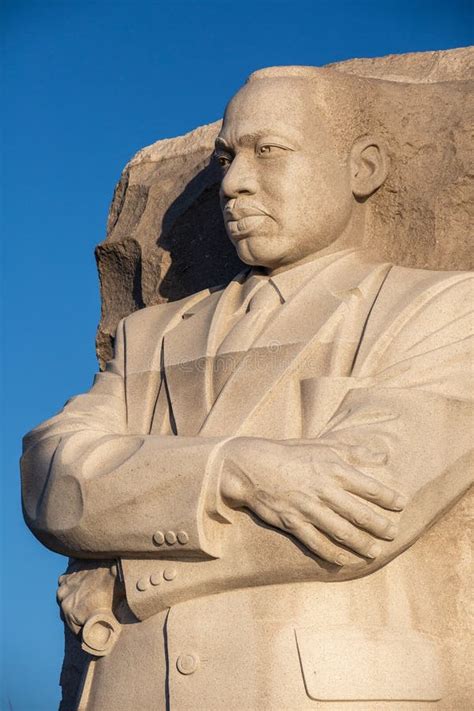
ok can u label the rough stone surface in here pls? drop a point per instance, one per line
(426, 67)
(165, 234)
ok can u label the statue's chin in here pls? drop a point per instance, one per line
(256, 250)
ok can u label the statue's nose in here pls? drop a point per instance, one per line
(239, 179)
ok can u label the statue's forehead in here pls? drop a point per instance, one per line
(276, 94)
(270, 106)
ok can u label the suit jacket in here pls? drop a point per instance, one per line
(232, 612)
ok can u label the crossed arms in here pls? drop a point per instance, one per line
(92, 489)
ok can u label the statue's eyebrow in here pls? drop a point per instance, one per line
(249, 140)
(222, 144)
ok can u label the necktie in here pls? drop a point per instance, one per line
(262, 302)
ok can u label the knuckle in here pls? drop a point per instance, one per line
(358, 453)
(339, 478)
(391, 496)
(348, 537)
(380, 457)
(289, 520)
(73, 626)
(366, 543)
(340, 534)
(390, 530)
(60, 596)
(77, 619)
(325, 491)
(362, 519)
(373, 490)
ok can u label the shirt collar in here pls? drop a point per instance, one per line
(289, 281)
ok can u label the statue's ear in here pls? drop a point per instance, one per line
(369, 166)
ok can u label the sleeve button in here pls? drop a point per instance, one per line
(156, 578)
(169, 573)
(170, 537)
(142, 584)
(158, 538)
(183, 537)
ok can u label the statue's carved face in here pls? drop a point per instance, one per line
(286, 192)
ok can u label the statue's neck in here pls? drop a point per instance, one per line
(352, 237)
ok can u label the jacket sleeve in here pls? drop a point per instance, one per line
(91, 490)
(411, 398)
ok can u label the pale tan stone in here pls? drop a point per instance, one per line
(280, 467)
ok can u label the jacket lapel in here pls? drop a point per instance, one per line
(143, 334)
(304, 326)
(187, 365)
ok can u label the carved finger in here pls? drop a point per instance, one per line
(319, 544)
(66, 604)
(342, 531)
(71, 615)
(360, 515)
(370, 489)
(73, 623)
(276, 513)
(61, 593)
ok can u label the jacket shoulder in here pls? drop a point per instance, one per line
(420, 279)
(143, 330)
(415, 305)
(405, 288)
(159, 316)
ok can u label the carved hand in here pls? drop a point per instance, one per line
(313, 492)
(82, 592)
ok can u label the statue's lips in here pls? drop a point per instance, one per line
(242, 227)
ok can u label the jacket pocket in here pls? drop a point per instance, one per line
(346, 663)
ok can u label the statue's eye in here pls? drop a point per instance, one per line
(270, 150)
(223, 159)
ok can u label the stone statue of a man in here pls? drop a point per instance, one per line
(259, 460)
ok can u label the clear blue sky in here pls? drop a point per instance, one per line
(86, 84)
